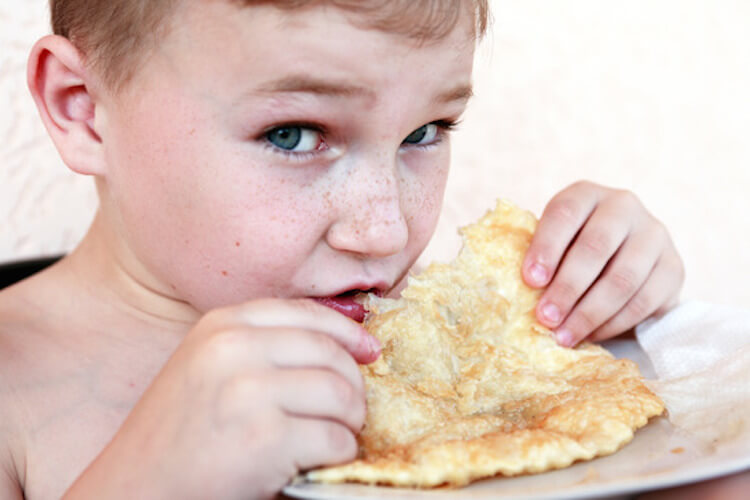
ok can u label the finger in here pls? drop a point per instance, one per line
(240, 347)
(600, 238)
(561, 220)
(317, 442)
(316, 393)
(280, 347)
(659, 292)
(623, 276)
(308, 315)
(301, 349)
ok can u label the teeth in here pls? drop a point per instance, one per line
(357, 292)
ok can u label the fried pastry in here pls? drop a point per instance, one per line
(470, 386)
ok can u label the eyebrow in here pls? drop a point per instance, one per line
(332, 88)
(311, 85)
(460, 93)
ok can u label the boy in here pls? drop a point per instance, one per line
(257, 163)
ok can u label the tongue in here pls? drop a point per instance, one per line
(346, 305)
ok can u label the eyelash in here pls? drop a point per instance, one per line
(445, 126)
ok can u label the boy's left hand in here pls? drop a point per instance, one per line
(607, 263)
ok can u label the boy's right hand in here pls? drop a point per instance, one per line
(254, 394)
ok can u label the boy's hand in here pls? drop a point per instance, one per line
(254, 394)
(606, 262)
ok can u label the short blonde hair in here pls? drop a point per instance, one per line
(113, 35)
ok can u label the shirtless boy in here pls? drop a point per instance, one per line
(256, 162)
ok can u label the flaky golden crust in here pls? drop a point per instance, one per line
(469, 385)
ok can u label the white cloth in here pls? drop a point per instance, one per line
(701, 356)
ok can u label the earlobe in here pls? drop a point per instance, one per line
(57, 79)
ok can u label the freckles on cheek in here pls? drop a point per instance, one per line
(424, 205)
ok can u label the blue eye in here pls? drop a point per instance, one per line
(295, 138)
(426, 134)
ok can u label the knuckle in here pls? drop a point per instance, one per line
(625, 281)
(343, 393)
(626, 198)
(585, 321)
(222, 347)
(583, 185)
(564, 210)
(242, 388)
(564, 293)
(640, 306)
(604, 332)
(597, 243)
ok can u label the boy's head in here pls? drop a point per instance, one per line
(288, 149)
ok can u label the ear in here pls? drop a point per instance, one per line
(57, 78)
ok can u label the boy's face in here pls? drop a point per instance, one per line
(277, 153)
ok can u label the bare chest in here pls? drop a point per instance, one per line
(60, 446)
(67, 410)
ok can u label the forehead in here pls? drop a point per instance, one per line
(421, 19)
(234, 44)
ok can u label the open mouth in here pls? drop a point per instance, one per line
(348, 303)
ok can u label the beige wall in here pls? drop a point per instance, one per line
(646, 95)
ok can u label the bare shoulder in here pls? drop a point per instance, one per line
(32, 340)
(67, 381)
(11, 450)
(32, 315)
(29, 359)
(21, 320)
(10, 483)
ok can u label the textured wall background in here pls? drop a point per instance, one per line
(648, 95)
(44, 208)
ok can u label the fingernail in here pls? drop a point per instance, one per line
(538, 274)
(551, 312)
(564, 337)
(374, 345)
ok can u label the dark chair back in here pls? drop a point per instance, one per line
(12, 272)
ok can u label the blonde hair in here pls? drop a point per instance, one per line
(113, 35)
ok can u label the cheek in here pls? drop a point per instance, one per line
(256, 247)
(155, 181)
(424, 200)
(202, 219)
(154, 153)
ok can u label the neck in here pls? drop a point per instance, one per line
(110, 274)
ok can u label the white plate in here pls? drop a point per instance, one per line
(659, 456)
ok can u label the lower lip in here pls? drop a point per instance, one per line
(346, 305)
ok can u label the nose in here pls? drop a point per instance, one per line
(371, 222)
